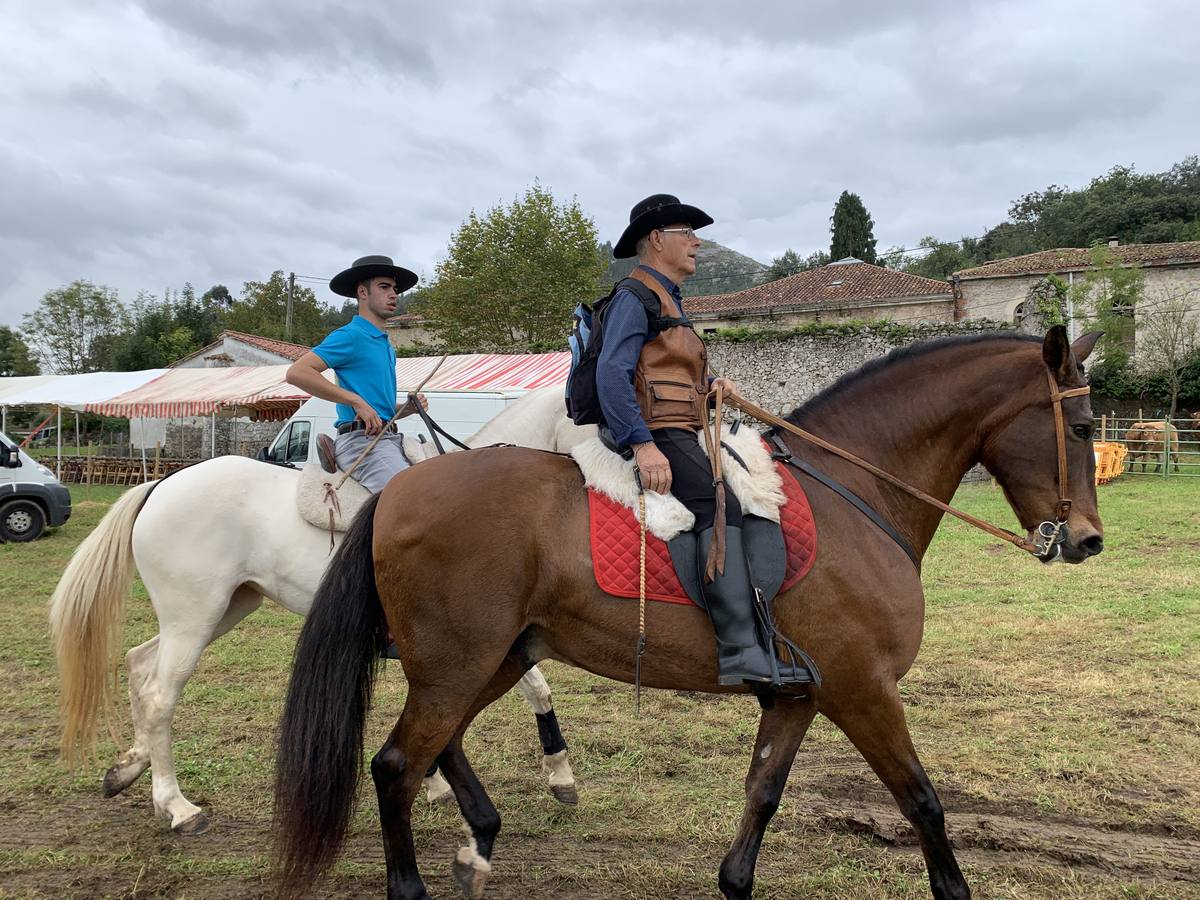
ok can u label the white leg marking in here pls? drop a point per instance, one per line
(766, 751)
(558, 768)
(535, 690)
(437, 789)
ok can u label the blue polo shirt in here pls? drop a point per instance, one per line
(363, 360)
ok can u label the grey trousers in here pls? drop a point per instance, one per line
(385, 460)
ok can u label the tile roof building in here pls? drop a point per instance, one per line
(236, 348)
(844, 290)
(998, 289)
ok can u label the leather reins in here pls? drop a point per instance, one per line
(1048, 533)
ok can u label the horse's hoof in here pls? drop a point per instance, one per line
(192, 827)
(114, 783)
(565, 793)
(471, 879)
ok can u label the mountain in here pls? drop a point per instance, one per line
(719, 270)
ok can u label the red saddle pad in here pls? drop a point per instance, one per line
(615, 539)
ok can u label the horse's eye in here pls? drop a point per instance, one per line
(1083, 432)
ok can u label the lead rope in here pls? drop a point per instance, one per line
(640, 647)
(382, 431)
(761, 414)
(1004, 534)
(715, 563)
(331, 489)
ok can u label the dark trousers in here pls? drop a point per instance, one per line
(692, 478)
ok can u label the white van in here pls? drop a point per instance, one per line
(31, 498)
(461, 413)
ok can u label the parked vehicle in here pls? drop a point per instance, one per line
(31, 498)
(461, 413)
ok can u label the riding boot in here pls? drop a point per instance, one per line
(730, 599)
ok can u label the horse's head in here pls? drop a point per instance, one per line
(1023, 453)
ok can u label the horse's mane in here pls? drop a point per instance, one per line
(911, 351)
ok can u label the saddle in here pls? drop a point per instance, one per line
(320, 504)
(778, 528)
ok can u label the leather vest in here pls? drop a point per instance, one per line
(671, 379)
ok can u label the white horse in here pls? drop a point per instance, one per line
(210, 543)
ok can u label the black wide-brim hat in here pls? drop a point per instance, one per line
(657, 211)
(368, 267)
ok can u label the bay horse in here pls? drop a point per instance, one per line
(1146, 446)
(210, 543)
(493, 581)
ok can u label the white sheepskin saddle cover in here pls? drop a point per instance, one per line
(759, 487)
(315, 504)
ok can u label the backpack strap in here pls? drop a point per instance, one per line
(653, 306)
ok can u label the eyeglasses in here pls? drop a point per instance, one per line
(686, 231)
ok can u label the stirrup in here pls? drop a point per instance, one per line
(799, 667)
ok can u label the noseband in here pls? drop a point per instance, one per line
(1048, 535)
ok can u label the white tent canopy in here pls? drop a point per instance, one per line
(16, 384)
(72, 391)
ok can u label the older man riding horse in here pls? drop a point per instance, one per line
(488, 583)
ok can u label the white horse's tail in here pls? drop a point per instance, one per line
(87, 615)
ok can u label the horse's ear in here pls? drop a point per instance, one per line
(1083, 346)
(1056, 350)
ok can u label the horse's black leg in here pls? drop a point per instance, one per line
(874, 723)
(425, 728)
(472, 865)
(388, 770)
(780, 731)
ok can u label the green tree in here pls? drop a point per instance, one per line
(852, 229)
(943, 258)
(512, 276)
(217, 297)
(77, 328)
(1107, 297)
(15, 358)
(161, 331)
(791, 263)
(262, 310)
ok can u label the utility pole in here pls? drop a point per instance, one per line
(287, 325)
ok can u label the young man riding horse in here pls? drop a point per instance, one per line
(652, 380)
(365, 364)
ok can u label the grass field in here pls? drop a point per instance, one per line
(1057, 710)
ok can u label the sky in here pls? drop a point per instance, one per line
(148, 144)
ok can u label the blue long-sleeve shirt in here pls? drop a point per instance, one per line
(626, 330)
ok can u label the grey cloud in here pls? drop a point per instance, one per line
(219, 141)
(251, 35)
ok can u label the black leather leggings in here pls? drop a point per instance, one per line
(691, 477)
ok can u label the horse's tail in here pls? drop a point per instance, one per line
(320, 734)
(87, 615)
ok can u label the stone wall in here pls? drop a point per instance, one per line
(780, 372)
(931, 310)
(191, 437)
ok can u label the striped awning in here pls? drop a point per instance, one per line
(485, 372)
(263, 393)
(259, 391)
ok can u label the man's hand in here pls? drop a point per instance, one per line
(367, 415)
(653, 466)
(410, 405)
(727, 384)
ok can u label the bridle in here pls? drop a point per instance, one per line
(1048, 536)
